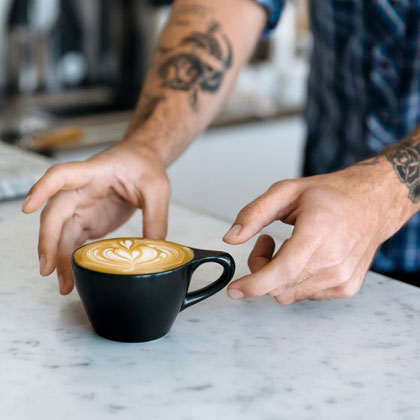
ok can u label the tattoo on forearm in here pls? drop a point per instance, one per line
(202, 67)
(198, 63)
(147, 109)
(405, 159)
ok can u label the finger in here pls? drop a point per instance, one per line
(324, 280)
(55, 214)
(262, 253)
(59, 177)
(274, 204)
(155, 211)
(72, 236)
(334, 276)
(284, 269)
(343, 291)
(350, 287)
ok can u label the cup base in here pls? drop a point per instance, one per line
(131, 339)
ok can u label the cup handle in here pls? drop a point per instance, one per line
(202, 256)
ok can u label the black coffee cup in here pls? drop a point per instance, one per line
(143, 307)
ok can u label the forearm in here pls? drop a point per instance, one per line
(202, 48)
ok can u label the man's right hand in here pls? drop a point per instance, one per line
(87, 200)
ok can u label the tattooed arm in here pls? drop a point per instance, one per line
(203, 47)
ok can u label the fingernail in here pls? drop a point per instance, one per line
(27, 200)
(60, 283)
(235, 294)
(41, 264)
(233, 231)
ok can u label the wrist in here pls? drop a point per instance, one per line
(384, 195)
(143, 143)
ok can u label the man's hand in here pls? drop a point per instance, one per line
(87, 200)
(340, 220)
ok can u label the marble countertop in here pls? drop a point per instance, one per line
(252, 359)
(19, 169)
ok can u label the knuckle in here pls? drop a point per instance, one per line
(161, 183)
(54, 173)
(287, 272)
(281, 185)
(277, 291)
(284, 300)
(335, 258)
(165, 185)
(254, 291)
(347, 290)
(65, 169)
(252, 210)
(341, 274)
(254, 288)
(307, 291)
(53, 169)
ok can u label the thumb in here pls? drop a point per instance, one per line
(155, 212)
(276, 203)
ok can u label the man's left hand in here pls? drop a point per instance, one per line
(339, 221)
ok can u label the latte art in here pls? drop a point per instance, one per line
(132, 256)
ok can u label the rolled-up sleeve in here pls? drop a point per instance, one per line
(273, 9)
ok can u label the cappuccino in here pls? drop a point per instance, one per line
(132, 256)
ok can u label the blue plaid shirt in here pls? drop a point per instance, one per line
(363, 94)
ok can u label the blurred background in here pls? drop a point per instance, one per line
(70, 74)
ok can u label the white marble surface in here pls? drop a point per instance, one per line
(19, 169)
(254, 359)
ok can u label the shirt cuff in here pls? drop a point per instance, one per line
(273, 9)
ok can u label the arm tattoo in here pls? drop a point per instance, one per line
(405, 159)
(147, 109)
(201, 67)
(198, 66)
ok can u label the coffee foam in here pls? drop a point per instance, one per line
(132, 256)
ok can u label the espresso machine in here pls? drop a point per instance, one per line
(66, 58)
(59, 45)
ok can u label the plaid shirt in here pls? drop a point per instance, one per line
(363, 94)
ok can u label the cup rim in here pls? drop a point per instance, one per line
(157, 273)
